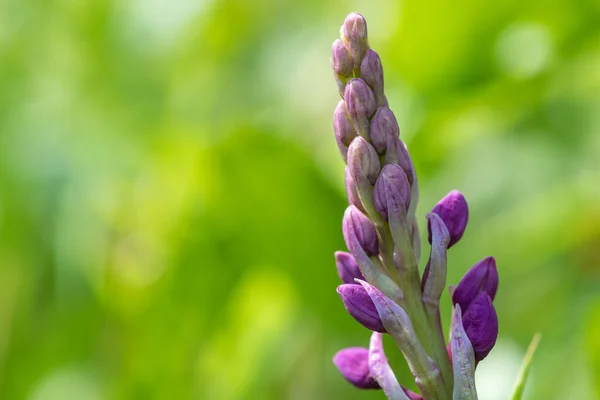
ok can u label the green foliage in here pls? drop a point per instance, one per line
(525, 368)
(171, 194)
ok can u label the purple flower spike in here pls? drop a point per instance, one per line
(454, 211)
(340, 59)
(343, 128)
(372, 72)
(360, 103)
(481, 325)
(383, 125)
(360, 306)
(363, 161)
(392, 185)
(359, 230)
(347, 267)
(353, 363)
(481, 277)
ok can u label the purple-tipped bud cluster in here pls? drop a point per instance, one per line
(454, 211)
(359, 304)
(353, 363)
(475, 294)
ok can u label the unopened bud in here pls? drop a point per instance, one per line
(359, 231)
(454, 211)
(360, 103)
(340, 59)
(383, 125)
(360, 306)
(481, 277)
(397, 153)
(353, 363)
(363, 161)
(481, 325)
(354, 33)
(392, 187)
(347, 267)
(372, 73)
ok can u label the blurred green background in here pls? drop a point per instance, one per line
(171, 193)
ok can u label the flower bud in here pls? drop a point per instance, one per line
(343, 128)
(383, 125)
(340, 59)
(372, 73)
(481, 325)
(352, 191)
(347, 267)
(353, 363)
(360, 306)
(354, 33)
(391, 186)
(360, 103)
(481, 277)
(359, 231)
(397, 153)
(454, 211)
(363, 161)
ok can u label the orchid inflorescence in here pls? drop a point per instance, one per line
(382, 287)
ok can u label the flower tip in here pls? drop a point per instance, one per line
(355, 26)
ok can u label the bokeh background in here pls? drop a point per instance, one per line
(171, 193)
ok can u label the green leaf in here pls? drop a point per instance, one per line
(520, 384)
